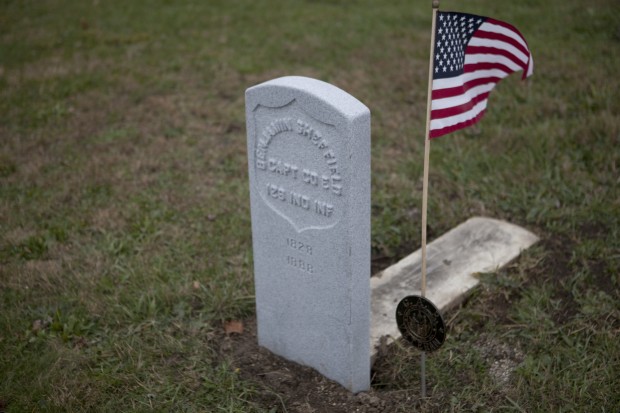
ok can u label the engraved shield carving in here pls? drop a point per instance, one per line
(297, 167)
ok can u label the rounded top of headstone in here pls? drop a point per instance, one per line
(316, 93)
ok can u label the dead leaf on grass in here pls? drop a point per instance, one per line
(37, 325)
(196, 285)
(233, 327)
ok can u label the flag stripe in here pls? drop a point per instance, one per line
(462, 87)
(466, 91)
(482, 59)
(492, 25)
(454, 110)
(507, 30)
(513, 32)
(460, 99)
(500, 41)
(440, 130)
(460, 117)
(498, 52)
(458, 81)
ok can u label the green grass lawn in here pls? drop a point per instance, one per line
(125, 240)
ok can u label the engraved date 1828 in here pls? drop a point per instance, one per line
(299, 246)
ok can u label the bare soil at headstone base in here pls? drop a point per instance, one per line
(290, 387)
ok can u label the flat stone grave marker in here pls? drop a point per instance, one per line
(477, 245)
(309, 174)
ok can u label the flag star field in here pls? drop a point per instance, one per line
(453, 33)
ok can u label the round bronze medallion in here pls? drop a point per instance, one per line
(420, 323)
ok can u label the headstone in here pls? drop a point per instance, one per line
(309, 173)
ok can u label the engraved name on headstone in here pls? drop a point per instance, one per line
(309, 175)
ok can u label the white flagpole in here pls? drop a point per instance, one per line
(427, 151)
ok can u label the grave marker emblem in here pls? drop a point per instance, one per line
(420, 323)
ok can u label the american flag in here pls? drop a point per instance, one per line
(472, 54)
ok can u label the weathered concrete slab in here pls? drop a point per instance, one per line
(477, 245)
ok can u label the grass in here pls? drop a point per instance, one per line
(125, 231)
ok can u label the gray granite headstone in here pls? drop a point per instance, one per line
(309, 173)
